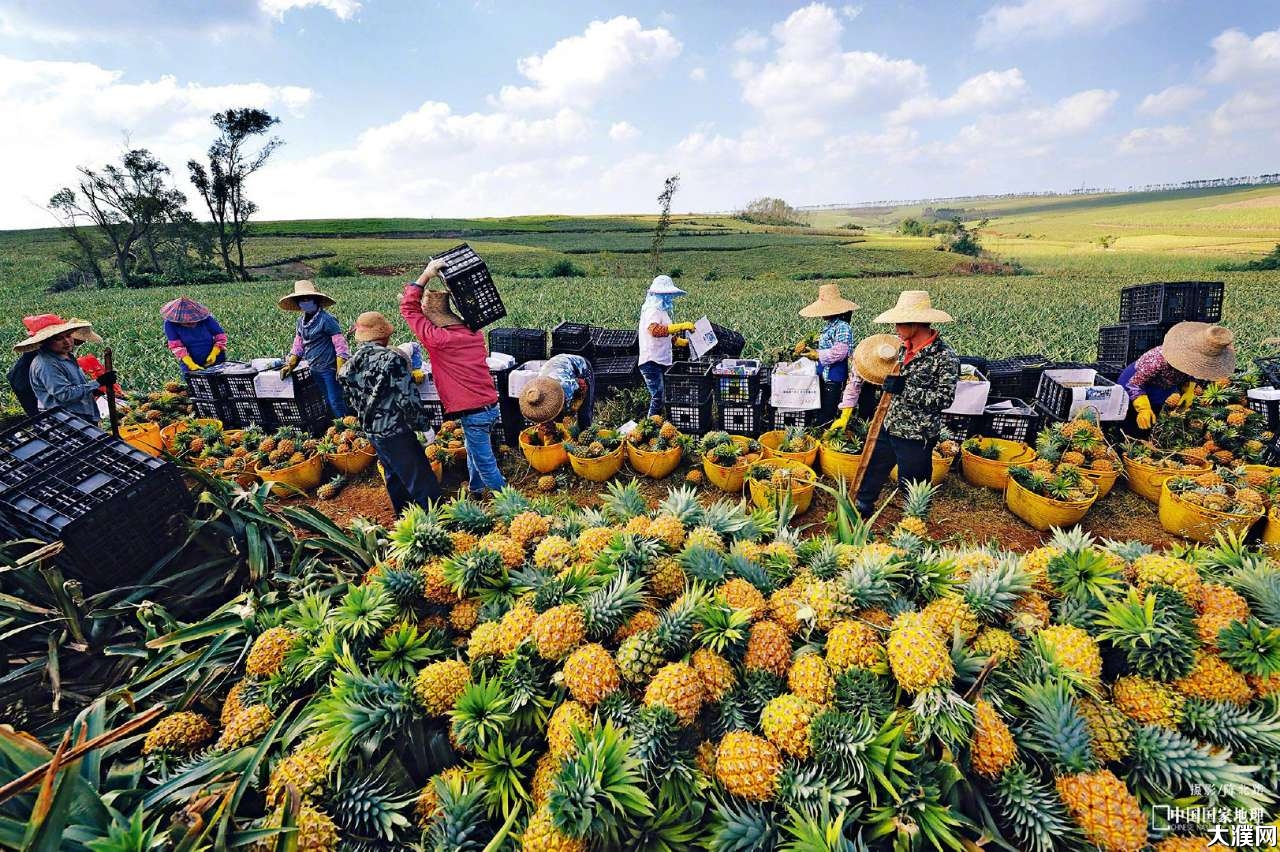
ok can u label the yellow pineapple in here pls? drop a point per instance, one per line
(554, 553)
(639, 525)
(1107, 814)
(464, 615)
(595, 539)
(968, 562)
(1183, 844)
(541, 835)
(1153, 568)
(306, 768)
(485, 640)
(268, 652)
(992, 749)
(668, 530)
(515, 627)
(511, 551)
(768, 648)
(558, 631)
(748, 766)
(427, 806)
(678, 687)
(739, 594)
(997, 644)
(1073, 649)
(1035, 563)
(1213, 680)
(316, 832)
(231, 705)
(716, 673)
(705, 758)
(1265, 685)
(183, 731)
(918, 657)
(528, 527)
(435, 587)
(810, 678)
(463, 542)
(1031, 613)
(1219, 607)
(667, 579)
(544, 778)
(246, 727)
(950, 613)
(854, 644)
(785, 721)
(590, 674)
(438, 685)
(785, 605)
(1146, 700)
(645, 619)
(560, 727)
(704, 537)
(1109, 730)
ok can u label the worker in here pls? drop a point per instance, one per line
(55, 377)
(923, 389)
(195, 337)
(834, 346)
(656, 337)
(1191, 351)
(460, 370)
(565, 386)
(319, 339)
(379, 388)
(19, 374)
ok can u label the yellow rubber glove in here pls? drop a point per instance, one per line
(843, 420)
(290, 364)
(1145, 416)
(811, 354)
(1188, 395)
(419, 377)
(680, 341)
(190, 364)
(799, 348)
(340, 361)
(213, 356)
(677, 327)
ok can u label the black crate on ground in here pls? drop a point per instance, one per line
(435, 412)
(242, 386)
(1005, 376)
(783, 418)
(616, 371)
(692, 418)
(1123, 344)
(501, 381)
(962, 426)
(1019, 423)
(245, 413)
(572, 338)
(687, 382)
(615, 341)
(42, 441)
(742, 418)
(737, 388)
(308, 412)
(214, 409)
(1172, 302)
(1111, 370)
(475, 296)
(522, 344)
(512, 420)
(1268, 408)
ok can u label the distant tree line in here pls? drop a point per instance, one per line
(129, 225)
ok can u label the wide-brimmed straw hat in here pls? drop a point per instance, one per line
(42, 327)
(372, 325)
(875, 357)
(542, 399)
(1201, 350)
(829, 303)
(183, 309)
(663, 286)
(435, 306)
(914, 306)
(305, 290)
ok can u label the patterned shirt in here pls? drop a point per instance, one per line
(1152, 370)
(834, 345)
(380, 391)
(567, 370)
(930, 375)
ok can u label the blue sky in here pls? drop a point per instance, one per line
(396, 108)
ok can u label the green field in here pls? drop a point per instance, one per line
(744, 276)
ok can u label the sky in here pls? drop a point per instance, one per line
(486, 108)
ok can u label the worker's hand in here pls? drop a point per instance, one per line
(107, 380)
(894, 384)
(843, 420)
(677, 327)
(1188, 394)
(680, 341)
(432, 270)
(290, 364)
(418, 377)
(213, 356)
(190, 364)
(811, 354)
(1146, 418)
(340, 361)
(799, 348)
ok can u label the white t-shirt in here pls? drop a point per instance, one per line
(655, 349)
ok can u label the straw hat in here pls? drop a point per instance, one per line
(1201, 350)
(664, 286)
(183, 309)
(435, 305)
(372, 325)
(305, 290)
(914, 306)
(542, 399)
(829, 303)
(44, 327)
(875, 357)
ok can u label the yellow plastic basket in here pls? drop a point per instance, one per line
(994, 473)
(772, 440)
(1045, 513)
(764, 495)
(1197, 523)
(601, 469)
(545, 459)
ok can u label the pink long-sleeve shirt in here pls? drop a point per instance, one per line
(458, 357)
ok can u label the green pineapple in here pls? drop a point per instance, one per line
(467, 516)
(620, 503)
(419, 536)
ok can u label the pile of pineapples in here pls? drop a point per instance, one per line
(523, 674)
(1079, 443)
(159, 407)
(1214, 422)
(1222, 490)
(593, 442)
(287, 447)
(346, 436)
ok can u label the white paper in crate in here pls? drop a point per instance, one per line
(520, 377)
(269, 385)
(971, 397)
(795, 386)
(1109, 398)
(702, 339)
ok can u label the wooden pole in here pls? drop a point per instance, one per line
(113, 416)
(873, 435)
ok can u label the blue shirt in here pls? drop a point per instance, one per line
(836, 331)
(198, 340)
(317, 340)
(58, 381)
(566, 369)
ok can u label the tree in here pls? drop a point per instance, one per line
(222, 185)
(772, 211)
(127, 204)
(669, 187)
(911, 227)
(960, 240)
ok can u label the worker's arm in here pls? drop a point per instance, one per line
(55, 384)
(411, 310)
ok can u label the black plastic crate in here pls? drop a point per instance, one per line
(1270, 369)
(784, 418)
(221, 382)
(692, 418)
(1268, 408)
(522, 344)
(1055, 398)
(242, 386)
(729, 343)
(501, 381)
(308, 411)
(1005, 376)
(687, 383)
(475, 295)
(42, 441)
(1111, 370)
(573, 338)
(1124, 344)
(738, 388)
(743, 418)
(962, 426)
(203, 384)
(616, 371)
(615, 341)
(244, 413)
(1020, 423)
(1172, 302)
(214, 409)
(435, 412)
(976, 361)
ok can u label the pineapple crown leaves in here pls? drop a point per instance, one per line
(1251, 647)
(362, 712)
(418, 536)
(738, 826)
(820, 556)
(509, 502)
(992, 592)
(724, 630)
(527, 686)
(853, 746)
(622, 502)
(1053, 727)
(675, 624)
(1164, 764)
(942, 714)
(1231, 553)
(703, 563)
(918, 497)
(655, 734)
(481, 713)
(363, 613)
(598, 791)
(674, 827)
(469, 573)
(1253, 730)
(618, 707)
(925, 817)
(404, 585)
(403, 651)
(682, 504)
(308, 616)
(626, 552)
(1152, 645)
(826, 831)
(502, 768)
(861, 691)
(461, 825)
(316, 660)
(467, 516)
(726, 517)
(609, 606)
(1032, 814)
(868, 582)
(1260, 585)
(1084, 574)
(809, 791)
(369, 810)
(739, 564)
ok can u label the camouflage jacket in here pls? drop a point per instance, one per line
(378, 387)
(931, 376)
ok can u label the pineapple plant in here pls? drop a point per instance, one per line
(915, 510)
(181, 732)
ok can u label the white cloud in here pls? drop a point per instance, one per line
(750, 42)
(1155, 140)
(1238, 58)
(1171, 100)
(698, 75)
(621, 131)
(982, 92)
(1031, 132)
(851, 12)
(1245, 111)
(809, 77)
(1042, 19)
(608, 56)
(344, 9)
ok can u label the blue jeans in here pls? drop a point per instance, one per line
(406, 471)
(653, 374)
(328, 380)
(482, 465)
(913, 458)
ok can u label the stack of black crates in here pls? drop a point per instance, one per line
(231, 397)
(116, 509)
(1147, 311)
(688, 391)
